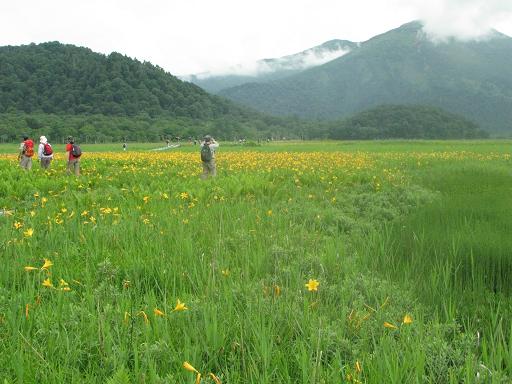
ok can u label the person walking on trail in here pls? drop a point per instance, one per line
(73, 154)
(26, 153)
(44, 152)
(208, 147)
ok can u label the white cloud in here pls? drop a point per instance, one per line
(194, 36)
(461, 19)
(306, 60)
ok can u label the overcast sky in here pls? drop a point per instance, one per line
(192, 36)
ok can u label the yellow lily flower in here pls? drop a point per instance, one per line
(407, 319)
(180, 306)
(47, 283)
(312, 285)
(29, 268)
(189, 367)
(158, 312)
(47, 264)
(390, 326)
(215, 378)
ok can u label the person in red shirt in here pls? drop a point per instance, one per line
(26, 153)
(73, 162)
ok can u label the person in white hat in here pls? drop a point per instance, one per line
(44, 152)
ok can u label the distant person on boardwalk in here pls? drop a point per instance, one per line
(44, 152)
(208, 147)
(26, 153)
(73, 154)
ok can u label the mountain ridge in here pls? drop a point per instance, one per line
(273, 68)
(399, 66)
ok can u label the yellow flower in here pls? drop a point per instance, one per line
(47, 283)
(158, 312)
(84, 213)
(28, 233)
(184, 195)
(225, 272)
(47, 264)
(143, 314)
(17, 225)
(27, 307)
(407, 319)
(312, 285)
(63, 283)
(198, 378)
(277, 290)
(358, 367)
(269, 212)
(180, 306)
(66, 289)
(215, 378)
(126, 284)
(189, 367)
(390, 326)
(146, 199)
(29, 268)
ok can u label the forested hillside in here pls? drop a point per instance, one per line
(405, 122)
(57, 78)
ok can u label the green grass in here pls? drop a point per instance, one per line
(400, 228)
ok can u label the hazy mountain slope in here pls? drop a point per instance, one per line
(400, 66)
(272, 69)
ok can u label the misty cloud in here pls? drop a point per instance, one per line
(460, 19)
(301, 61)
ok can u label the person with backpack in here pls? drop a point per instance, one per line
(73, 154)
(208, 147)
(44, 152)
(26, 153)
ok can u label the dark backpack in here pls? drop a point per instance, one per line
(76, 151)
(47, 150)
(206, 153)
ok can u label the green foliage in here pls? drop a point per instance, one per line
(405, 122)
(63, 79)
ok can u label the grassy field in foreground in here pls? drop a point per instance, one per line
(374, 262)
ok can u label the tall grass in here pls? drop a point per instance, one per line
(138, 231)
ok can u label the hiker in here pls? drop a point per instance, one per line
(73, 155)
(124, 146)
(44, 152)
(26, 153)
(208, 146)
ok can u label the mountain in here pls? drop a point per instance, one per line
(402, 66)
(272, 69)
(65, 79)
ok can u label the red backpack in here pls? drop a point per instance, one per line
(47, 150)
(28, 149)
